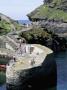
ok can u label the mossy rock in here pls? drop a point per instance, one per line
(56, 10)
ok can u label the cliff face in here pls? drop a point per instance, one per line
(52, 14)
(7, 24)
(47, 1)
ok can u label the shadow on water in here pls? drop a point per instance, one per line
(45, 79)
(40, 78)
(2, 80)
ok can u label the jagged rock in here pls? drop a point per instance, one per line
(52, 15)
(47, 1)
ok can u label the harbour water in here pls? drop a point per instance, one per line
(3, 87)
(61, 62)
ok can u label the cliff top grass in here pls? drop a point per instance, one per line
(7, 24)
(55, 10)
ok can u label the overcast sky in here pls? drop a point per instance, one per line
(18, 9)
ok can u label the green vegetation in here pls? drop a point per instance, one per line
(57, 2)
(4, 27)
(55, 10)
(7, 25)
(44, 37)
(17, 25)
(36, 35)
(2, 77)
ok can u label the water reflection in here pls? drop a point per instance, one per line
(3, 87)
(61, 61)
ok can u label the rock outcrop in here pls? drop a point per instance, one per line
(52, 15)
(47, 1)
(31, 69)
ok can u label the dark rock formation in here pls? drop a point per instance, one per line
(47, 1)
(52, 15)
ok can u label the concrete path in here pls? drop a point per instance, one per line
(19, 31)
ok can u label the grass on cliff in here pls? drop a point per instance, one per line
(50, 13)
(54, 10)
(17, 25)
(6, 27)
(36, 35)
(57, 2)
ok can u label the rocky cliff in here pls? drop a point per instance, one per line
(52, 15)
(7, 24)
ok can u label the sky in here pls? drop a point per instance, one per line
(18, 9)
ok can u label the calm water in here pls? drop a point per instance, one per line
(61, 61)
(3, 87)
